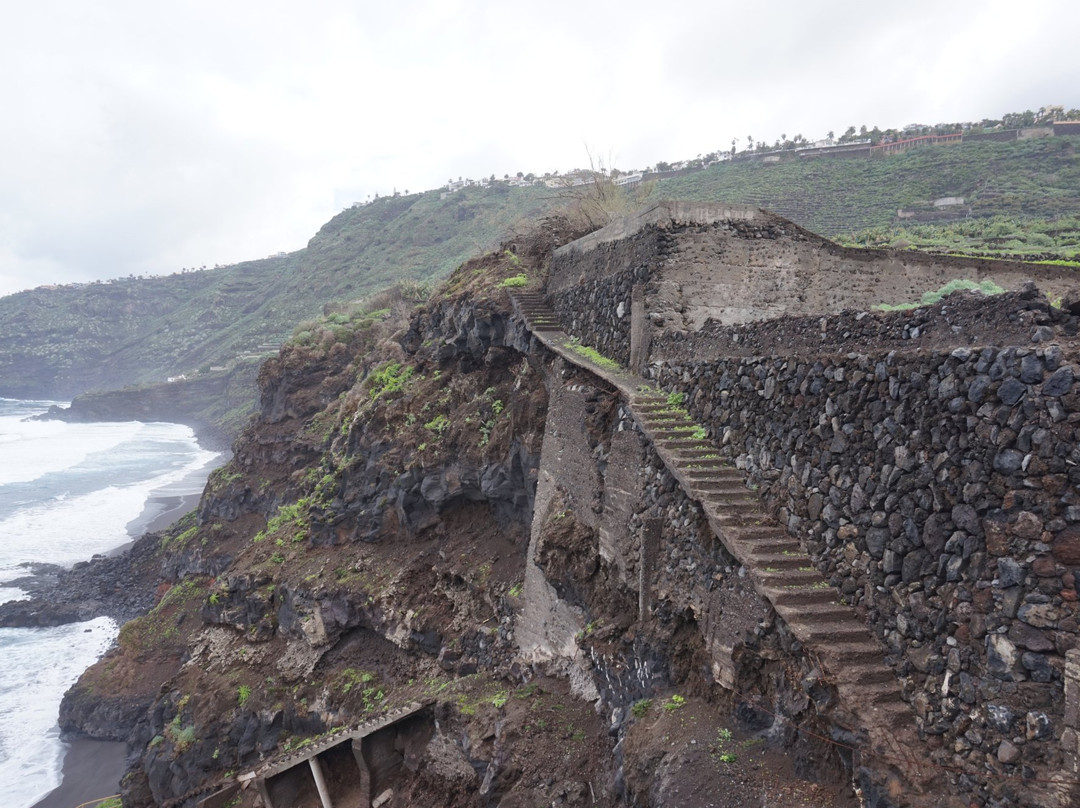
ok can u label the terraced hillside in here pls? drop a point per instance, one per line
(1037, 178)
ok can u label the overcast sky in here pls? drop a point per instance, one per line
(140, 137)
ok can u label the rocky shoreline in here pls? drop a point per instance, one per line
(119, 585)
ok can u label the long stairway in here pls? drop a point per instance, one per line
(852, 657)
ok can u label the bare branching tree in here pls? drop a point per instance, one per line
(593, 197)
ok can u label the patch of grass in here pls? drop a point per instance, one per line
(594, 356)
(243, 693)
(391, 377)
(514, 281)
(439, 424)
(371, 694)
(179, 541)
(159, 627)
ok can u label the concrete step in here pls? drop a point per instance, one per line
(829, 633)
(698, 470)
(763, 537)
(849, 655)
(675, 442)
(712, 468)
(660, 412)
(889, 715)
(720, 487)
(745, 502)
(880, 693)
(679, 433)
(775, 576)
(877, 675)
(799, 596)
(687, 457)
(793, 561)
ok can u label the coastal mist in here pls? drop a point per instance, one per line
(68, 491)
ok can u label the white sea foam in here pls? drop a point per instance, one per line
(36, 667)
(67, 491)
(32, 449)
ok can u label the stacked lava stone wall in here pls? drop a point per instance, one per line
(939, 494)
(591, 291)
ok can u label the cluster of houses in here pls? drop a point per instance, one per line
(850, 145)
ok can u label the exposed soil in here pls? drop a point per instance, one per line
(693, 754)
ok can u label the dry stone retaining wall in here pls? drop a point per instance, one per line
(939, 494)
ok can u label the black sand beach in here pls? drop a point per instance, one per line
(92, 771)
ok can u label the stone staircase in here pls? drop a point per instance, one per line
(851, 657)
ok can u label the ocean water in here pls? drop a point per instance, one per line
(68, 491)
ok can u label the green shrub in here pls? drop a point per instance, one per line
(676, 702)
(514, 281)
(389, 378)
(243, 693)
(641, 707)
(439, 424)
(987, 287)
